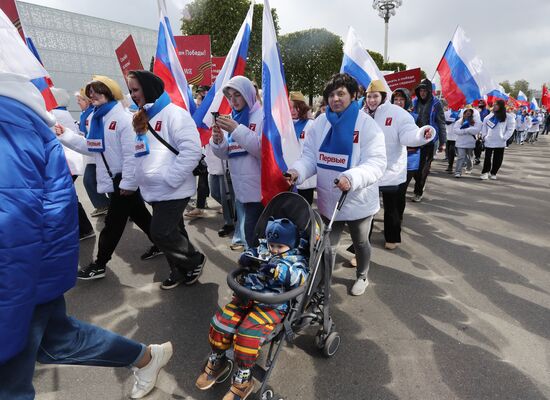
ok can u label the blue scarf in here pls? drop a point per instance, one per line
(96, 136)
(535, 120)
(83, 117)
(455, 114)
(493, 121)
(336, 150)
(465, 124)
(142, 141)
(243, 118)
(299, 126)
(61, 108)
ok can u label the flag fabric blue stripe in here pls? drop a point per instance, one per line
(352, 68)
(462, 76)
(243, 48)
(270, 127)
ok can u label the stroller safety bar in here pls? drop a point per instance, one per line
(266, 298)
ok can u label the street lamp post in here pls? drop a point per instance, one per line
(386, 9)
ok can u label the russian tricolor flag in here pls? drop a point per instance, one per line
(497, 94)
(280, 146)
(168, 67)
(533, 105)
(17, 58)
(358, 63)
(234, 65)
(462, 74)
(522, 99)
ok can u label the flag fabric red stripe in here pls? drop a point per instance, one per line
(453, 94)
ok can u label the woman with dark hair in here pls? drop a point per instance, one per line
(300, 112)
(167, 150)
(466, 130)
(497, 128)
(111, 140)
(345, 144)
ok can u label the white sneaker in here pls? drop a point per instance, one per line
(458, 174)
(359, 286)
(146, 377)
(484, 177)
(493, 177)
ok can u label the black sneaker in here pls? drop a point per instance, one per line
(194, 275)
(226, 230)
(92, 271)
(170, 283)
(151, 253)
(86, 235)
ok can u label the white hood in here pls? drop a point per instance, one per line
(244, 87)
(20, 88)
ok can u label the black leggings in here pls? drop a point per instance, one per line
(497, 155)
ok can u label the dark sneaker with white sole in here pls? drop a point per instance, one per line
(151, 253)
(170, 283)
(193, 276)
(92, 271)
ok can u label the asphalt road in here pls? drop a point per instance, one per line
(461, 310)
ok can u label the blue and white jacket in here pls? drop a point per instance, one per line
(38, 214)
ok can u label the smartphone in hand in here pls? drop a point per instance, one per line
(215, 115)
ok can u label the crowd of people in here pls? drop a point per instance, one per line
(368, 142)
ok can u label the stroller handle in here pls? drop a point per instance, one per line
(266, 298)
(342, 196)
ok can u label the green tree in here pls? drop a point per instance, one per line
(507, 87)
(394, 66)
(221, 20)
(310, 57)
(522, 85)
(377, 57)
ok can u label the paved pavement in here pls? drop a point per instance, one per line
(461, 310)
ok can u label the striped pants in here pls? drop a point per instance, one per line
(246, 324)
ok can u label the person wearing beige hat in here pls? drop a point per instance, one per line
(111, 141)
(300, 112)
(400, 131)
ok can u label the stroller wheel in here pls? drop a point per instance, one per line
(227, 373)
(331, 344)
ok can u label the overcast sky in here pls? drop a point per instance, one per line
(511, 37)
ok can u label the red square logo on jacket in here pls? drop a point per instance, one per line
(356, 137)
(303, 135)
(158, 126)
(388, 121)
(87, 122)
(112, 125)
(253, 127)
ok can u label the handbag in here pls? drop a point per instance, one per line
(480, 145)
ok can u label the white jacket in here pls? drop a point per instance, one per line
(368, 163)
(310, 182)
(534, 127)
(119, 150)
(466, 138)
(216, 166)
(400, 131)
(245, 170)
(451, 135)
(497, 136)
(75, 160)
(161, 175)
(523, 126)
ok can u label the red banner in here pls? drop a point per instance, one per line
(545, 98)
(194, 56)
(128, 56)
(10, 9)
(408, 79)
(217, 65)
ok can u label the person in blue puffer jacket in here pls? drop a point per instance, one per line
(39, 256)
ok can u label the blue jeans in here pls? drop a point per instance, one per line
(56, 338)
(252, 212)
(99, 200)
(218, 191)
(238, 235)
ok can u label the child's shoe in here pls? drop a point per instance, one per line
(212, 372)
(239, 391)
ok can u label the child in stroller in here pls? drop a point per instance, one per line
(277, 265)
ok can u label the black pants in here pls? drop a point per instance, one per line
(451, 152)
(403, 200)
(203, 191)
(394, 206)
(169, 235)
(493, 160)
(120, 208)
(84, 224)
(426, 158)
(307, 194)
(478, 150)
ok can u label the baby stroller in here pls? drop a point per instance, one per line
(309, 303)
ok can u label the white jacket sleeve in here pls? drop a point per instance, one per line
(306, 165)
(410, 134)
(472, 130)
(74, 141)
(372, 161)
(249, 140)
(127, 144)
(510, 127)
(185, 135)
(220, 149)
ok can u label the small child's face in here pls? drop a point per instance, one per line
(277, 248)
